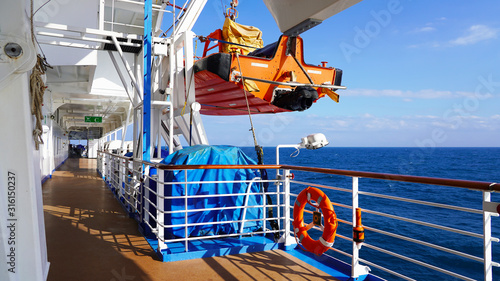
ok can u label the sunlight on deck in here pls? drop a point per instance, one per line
(85, 163)
(95, 224)
(90, 237)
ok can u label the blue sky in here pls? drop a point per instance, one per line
(419, 73)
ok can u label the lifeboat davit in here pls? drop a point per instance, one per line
(276, 78)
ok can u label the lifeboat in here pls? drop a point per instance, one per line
(275, 77)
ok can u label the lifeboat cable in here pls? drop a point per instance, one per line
(260, 156)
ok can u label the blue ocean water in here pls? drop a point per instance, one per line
(481, 164)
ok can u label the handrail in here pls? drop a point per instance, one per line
(476, 185)
(143, 205)
(116, 155)
(198, 167)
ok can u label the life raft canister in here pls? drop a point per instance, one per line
(317, 199)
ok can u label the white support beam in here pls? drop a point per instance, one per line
(125, 126)
(188, 37)
(69, 44)
(159, 20)
(101, 14)
(84, 38)
(125, 85)
(188, 122)
(127, 67)
(187, 22)
(81, 30)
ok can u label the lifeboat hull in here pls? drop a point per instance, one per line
(219, 88)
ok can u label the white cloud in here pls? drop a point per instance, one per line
(475, 34)
(474, 95)
(341, 123)
(367, 129)
(424, 29)
(406, 95)
(427, 45)
(409, 96)
(472, 35)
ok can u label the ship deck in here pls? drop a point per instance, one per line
(91, 237)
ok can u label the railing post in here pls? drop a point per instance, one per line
(356, 268)
(103, 166)
(109, 162)
(121, 176)
(126, 186)
(110, 171)
(97, 162)
(112, 174)
(264, 204)
(160, 208)
(488, 273)
(146, 196)
(355, 250)
(133, 193)
(106, 168)
(103, 161)
(288, 239)
(278, 202)
(115, 174)
(186, 210)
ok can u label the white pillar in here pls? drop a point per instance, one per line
(23, 250)
(21, 206)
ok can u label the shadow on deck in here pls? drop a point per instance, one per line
(90, 237)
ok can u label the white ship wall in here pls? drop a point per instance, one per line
(54, 151)
(92, 147)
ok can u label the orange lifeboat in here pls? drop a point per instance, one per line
(276, 78)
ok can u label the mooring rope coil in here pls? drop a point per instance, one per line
(37, 89)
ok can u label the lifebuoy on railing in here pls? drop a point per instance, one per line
(319, 200)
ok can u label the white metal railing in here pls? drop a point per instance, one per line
(116, 171)
(125, 180)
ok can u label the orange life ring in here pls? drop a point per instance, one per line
(319, 200)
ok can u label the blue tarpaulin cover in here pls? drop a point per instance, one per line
(216, 155)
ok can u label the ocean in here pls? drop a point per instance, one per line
(481, 164)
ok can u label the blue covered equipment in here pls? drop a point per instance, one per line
(226, 196)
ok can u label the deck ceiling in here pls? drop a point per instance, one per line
(70, 78)
(83, 81)
(72, 117)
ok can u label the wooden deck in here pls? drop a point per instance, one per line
(90, 237)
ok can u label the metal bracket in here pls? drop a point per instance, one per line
(360, 270)
(492, 207)
(302, 27)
